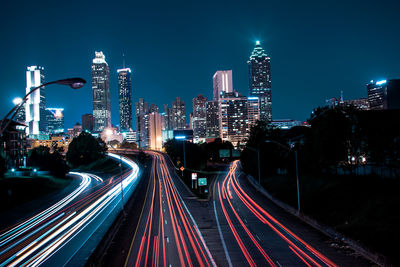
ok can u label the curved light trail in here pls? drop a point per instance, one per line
(232, 198)
(45, 235)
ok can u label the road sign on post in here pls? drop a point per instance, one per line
(202, 181)
(194, 178)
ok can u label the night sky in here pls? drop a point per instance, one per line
(317, 48)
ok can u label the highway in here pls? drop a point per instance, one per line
(54, 236)
(251, 235)
(166, 234)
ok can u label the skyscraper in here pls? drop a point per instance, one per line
(155, 137)
(35, 107)
(178, 116)
(125, 99)
(55, 120)
(212, 119)
(199, 117)
(384, 94)
(233, 117)
(260, 80)
(101, 93)
(376, 94)
(253, 111)
(142, 123)
(222, 82)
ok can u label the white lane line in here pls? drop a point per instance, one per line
(245, 221)
(222, 238)
(257, 237)
(279, 263)
(194, 222)
(167, 239)
(165, 221)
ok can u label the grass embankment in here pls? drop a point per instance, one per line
(15, 191)
(363, 208)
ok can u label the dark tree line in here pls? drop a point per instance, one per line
(197, 155)
(340, 137)
(85, 149)
(41, 158)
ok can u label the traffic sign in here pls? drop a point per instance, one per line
(182, 168)
(202, 181)
(194, 176)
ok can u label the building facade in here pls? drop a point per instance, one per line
(177, 115)
(125, 99)
(260, 80)
(55, 120)
(253, 111)
(87, 122)
(35, 106)
(222, 82)
(199, 117)
(376, 94)
(142, 123)
(233, 118)
(101, 93)
(212, 119)
(155, 131)
(13, 144)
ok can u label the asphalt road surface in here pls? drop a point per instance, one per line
(166, 234)
(251, 235)
(54, 235)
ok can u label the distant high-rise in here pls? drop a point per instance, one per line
(222, 82)
(55, 120)
(101, 93)
(260, 80)
(253, 111)
(233, 117)
(87, 122)
(178, 116)
(384, 94)
(142, 123)
(212, 119)
(125, 99)
(20, 115)
(155, 137)
(199, 117)
(35, 107)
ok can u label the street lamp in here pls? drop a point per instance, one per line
(74, 83)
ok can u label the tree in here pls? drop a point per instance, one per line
(126, 144)
(41, 158)
(85, 149)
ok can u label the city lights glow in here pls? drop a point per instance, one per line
(380, 82)
(17, 100)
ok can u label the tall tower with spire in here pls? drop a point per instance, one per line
(101, 93)
(260, 80)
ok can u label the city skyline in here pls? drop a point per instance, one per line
(315, 60)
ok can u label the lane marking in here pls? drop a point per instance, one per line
(222, 238)
(167, 239)
(165, 221)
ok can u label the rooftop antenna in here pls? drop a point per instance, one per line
(341, 96)
(123, 60)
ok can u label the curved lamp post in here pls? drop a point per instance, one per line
(74, 83)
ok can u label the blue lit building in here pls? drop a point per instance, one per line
(260, 80)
